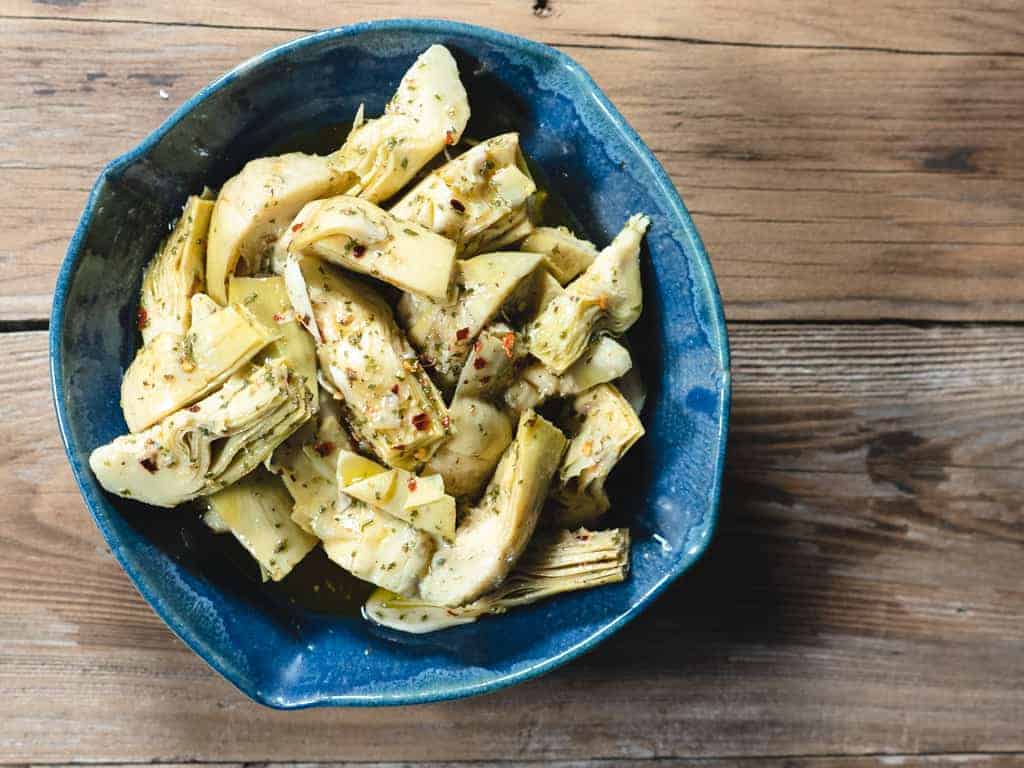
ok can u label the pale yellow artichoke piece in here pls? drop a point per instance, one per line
(199, 450)
(419, 501)
(604, 427)
(171, 371)
(428, 112)
(495, 531)
(466, 460)
(604, 360)
(390, 404)
(202, 307)
(267, 299)
(374, 546)
(475, 199)
(608, 296)
(565, 255)
(445, 333)
(256, 510)
(176, 273)
(255, 208)
(492, 361)
(359, 236)
(553, 563)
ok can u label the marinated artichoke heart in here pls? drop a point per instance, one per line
(428, 112)
(604, 360)
(605, 427)
(176, 273)
(256, 511)
(475, 199)
(565, 255)
(481, 431)
(607, 297)
(390, 403)
(199, 450)
(359, 236)
(171, 371)
(444, 333)
(553, 563)
(495, 531)
(267, 299)
(255, 207)
(419, 501)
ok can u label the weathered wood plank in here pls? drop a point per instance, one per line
(863, 595)
(976, 26)
(828, 184)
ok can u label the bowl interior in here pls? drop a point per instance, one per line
(282, 651)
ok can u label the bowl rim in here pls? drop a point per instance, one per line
(666, 189)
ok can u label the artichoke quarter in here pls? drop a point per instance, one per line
(608, 296)
(565, 255)
(475, 199)
(553, 563)
(176, 273)
(199, 450)
(391, 406)
(496, 530)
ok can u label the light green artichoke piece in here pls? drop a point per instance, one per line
(171, 371)
(256, 510)
(565, 255)
(445, 333)
(604, 360)
(176, 273)
(255, 208)
(608, 296)
(390, 404)
(553, 563)
(359, 236)
(475, 199)
(267, 298)
(495, 531)
(604, 427)
(199, 450)
(481, 433)
(428, 112)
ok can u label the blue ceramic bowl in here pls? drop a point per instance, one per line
(274, 650)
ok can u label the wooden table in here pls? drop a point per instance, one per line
(857, 171)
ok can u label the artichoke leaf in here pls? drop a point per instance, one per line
(604, 427)
(199, 450)
(608, 296)
(391, 406)
(428, 112)
(176, 273)
(553, 563)
(466, 460)
(256, 510)
(492, 362)
(475, 199)
(267, 298)
(444, 333)
(359, 236)
(496, 530)
(171, 371)
(565, 255)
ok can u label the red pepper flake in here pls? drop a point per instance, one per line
(359, 251)
(449, 138)
(484, 379)
(446, 422)
(324, 448)
(426, 361)
(394, 390)
(296, 226)
(457, 205)
(141, 318)
(399, 447)
(279, 317)
(479, 362)
(478, 346)
(411, 485)
(421, 421)
(602, 302)
(194, 408)
(149, 465)
(462, 334)
(508, 343)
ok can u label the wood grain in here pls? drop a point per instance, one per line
(863, 595)
(829, 183)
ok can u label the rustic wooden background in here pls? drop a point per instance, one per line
(857, 172)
